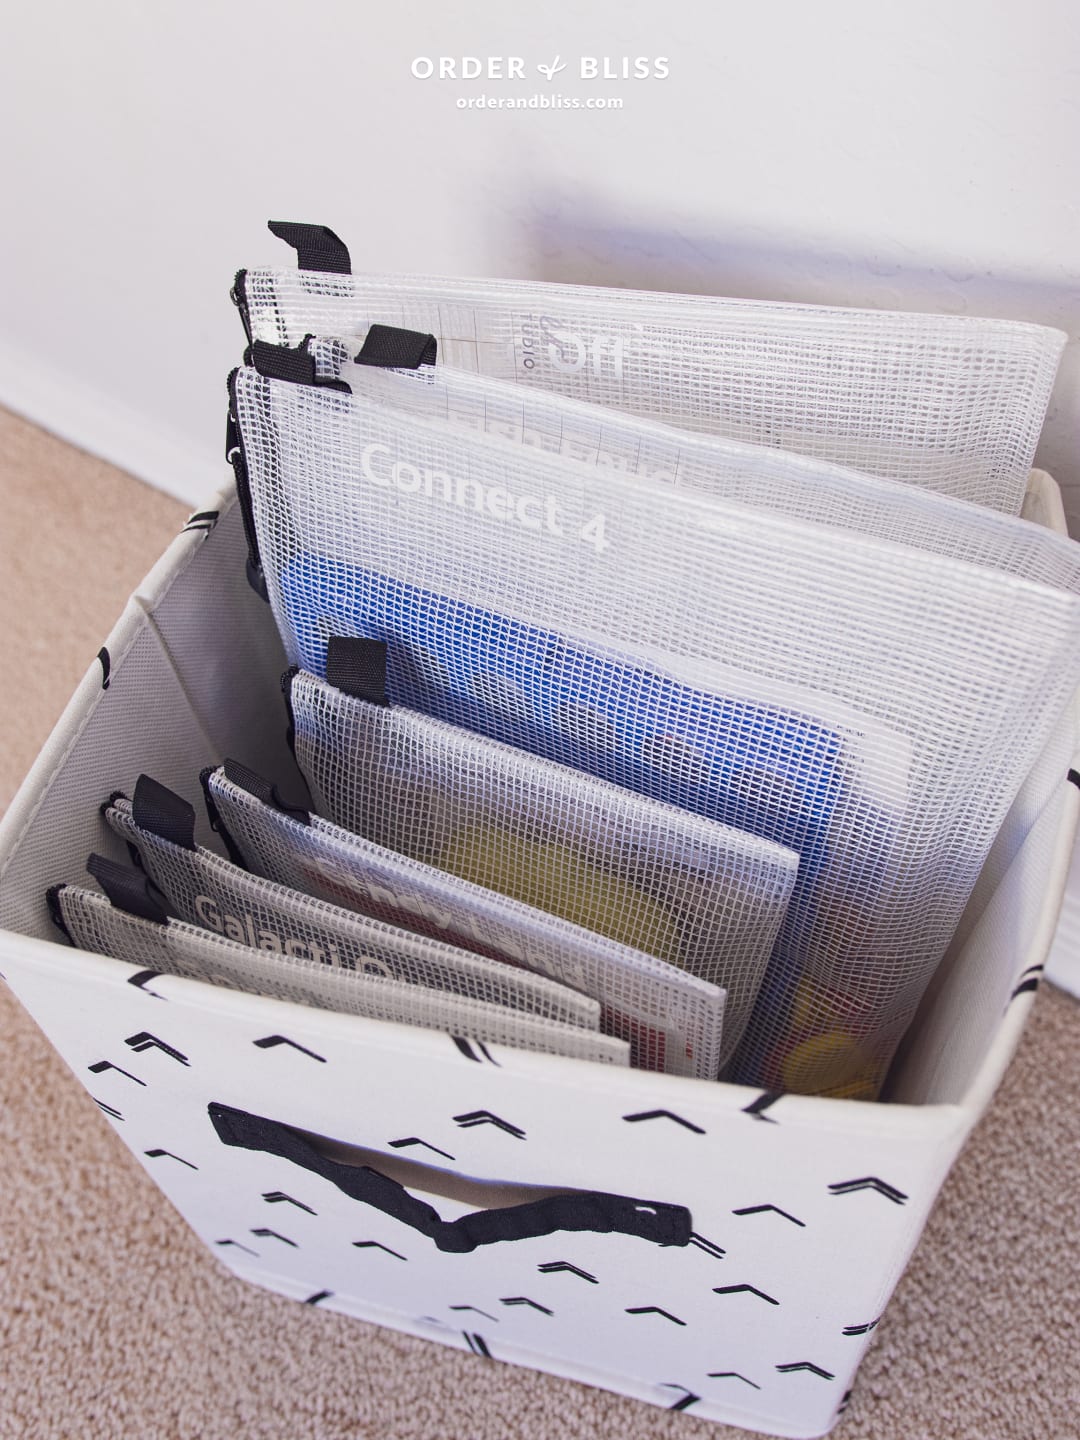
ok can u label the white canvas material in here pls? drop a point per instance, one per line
(208, 891)
(813, 1203)
(749, 475)
(673, 1021)
(176, 948)
(699, 895)
(873, 707)
(954, 403)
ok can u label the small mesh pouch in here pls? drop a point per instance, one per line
(93, 922)
(204, 889)
(672, 1021)
(872, 707)
(950, 402)
(697, 894)
(712, 465)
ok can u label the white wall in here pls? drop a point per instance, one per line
(916, 154)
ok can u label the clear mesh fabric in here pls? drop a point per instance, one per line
(672, 1021)
(711, 465)
(870, 706)
(689, 891)
(950, 402)
(181, 949)
(210, 892)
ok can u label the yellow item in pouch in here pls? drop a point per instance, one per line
(831, 1064)
(558, 879)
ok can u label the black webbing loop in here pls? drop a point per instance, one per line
(161, 812)
(130, 890)
(293, 363)
(391, 348)
(262, 790)
(581, 1210)
(357, 667)
(316, 246)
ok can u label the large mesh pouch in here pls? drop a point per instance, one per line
(750, 475)
(690, 891)
(951, 402)
(93, 923)
(870, 706)
(672, 1021)
(206, 890)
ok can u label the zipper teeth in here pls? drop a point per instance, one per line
(243, 488)
(238, 295)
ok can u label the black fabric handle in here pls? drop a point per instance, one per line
(392, 348)
(160, 811)
(130, 890)
(316, 246)
(263, 790)
(580, 1210)
(357, 667)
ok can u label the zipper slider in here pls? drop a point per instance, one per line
(238, 296)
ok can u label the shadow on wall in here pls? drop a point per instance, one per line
(575, 243)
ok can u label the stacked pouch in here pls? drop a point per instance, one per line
(954, 403)
(149, 937)
(672, 1020)
(206, 890)
(870, 706)
(749, 475)
(697, 894)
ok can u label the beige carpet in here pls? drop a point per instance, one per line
(115, 1322)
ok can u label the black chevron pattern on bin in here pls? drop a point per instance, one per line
(378, 1245)
(665, 1115)
(270, 1042)
(485, 1117)
(870, 1182)
(145, 1041)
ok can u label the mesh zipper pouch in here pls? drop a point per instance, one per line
(697, 894)
(951, 402)
(206, 890)
(870, 706)
(672, 1021)
(748, 475)
(92, 922)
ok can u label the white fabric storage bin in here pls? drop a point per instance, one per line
(742, 1246)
